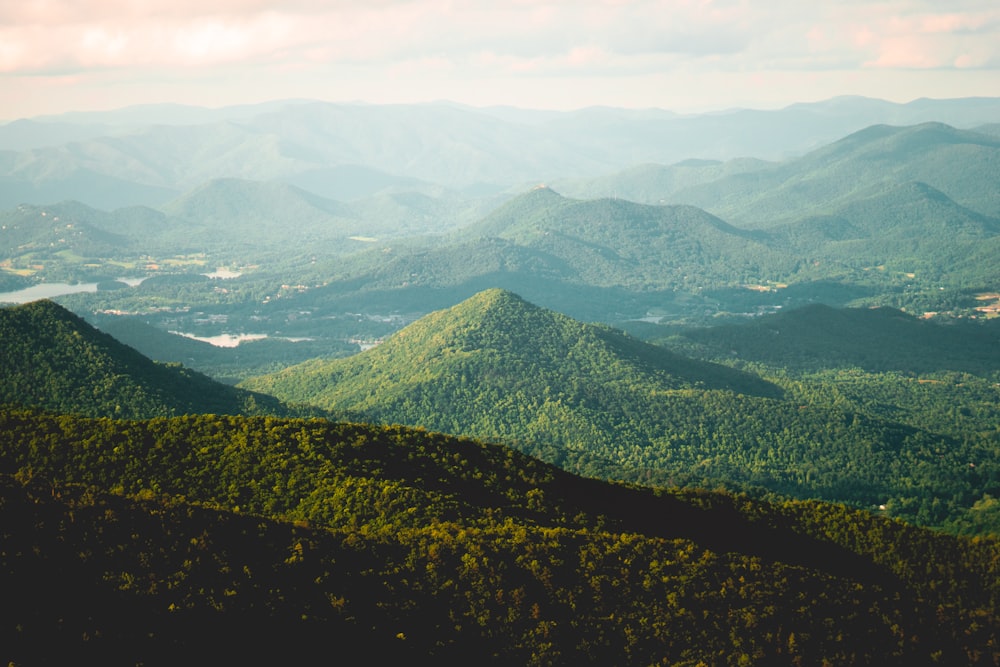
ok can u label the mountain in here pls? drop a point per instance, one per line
(910, 229)
(586, 257)
(959, 163)
(499, 343)
(599, 403)
(54, 360)
(153, 152)
(204, 539)
(873, 339)
(237, 211)
(653, 183)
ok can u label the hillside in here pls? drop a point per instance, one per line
(56, 361)
(959, 163)
(874, 339)
(409, 545)
(599, 403)
(583, 256)
(499, 343)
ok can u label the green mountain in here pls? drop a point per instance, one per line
(592, 258)
(56, 361)
(909, 229)
(253, 212)
(204, 539)
(599, 403)
(959, 163)
(495, 349)
(874, 339)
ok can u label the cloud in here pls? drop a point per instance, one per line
(297, 45)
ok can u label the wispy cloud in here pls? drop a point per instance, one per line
(474, 39)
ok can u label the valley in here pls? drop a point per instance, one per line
(603, 387)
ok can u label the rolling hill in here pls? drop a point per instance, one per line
(959, 163)
(56, 361)
(599, 403)
(874, 339)
(208, 538)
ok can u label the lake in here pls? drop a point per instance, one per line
(49, 290)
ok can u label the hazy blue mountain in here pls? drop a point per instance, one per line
(251, 211)
(443, 144)
(85, 185)
(960, 163)
(25, 134)
(349, 182)
(656, 183)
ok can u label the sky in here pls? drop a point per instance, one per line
(681, 55)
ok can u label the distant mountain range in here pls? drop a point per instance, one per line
(890, 213)
(149, 155)
(749, 193)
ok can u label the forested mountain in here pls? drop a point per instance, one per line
(874, 339)
(599, 403)
(53, 359)
(555, 249)
(499, 341)
(149, 156)
(612, 260)
(959, 163)
(412, 546)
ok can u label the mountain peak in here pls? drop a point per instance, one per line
(444, 370)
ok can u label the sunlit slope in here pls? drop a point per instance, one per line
(601, 403)
(52, 359)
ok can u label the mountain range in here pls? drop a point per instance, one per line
(598, 402)
(548, 384)
(148, 156)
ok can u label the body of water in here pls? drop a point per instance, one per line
(222, 340)
(49, 290)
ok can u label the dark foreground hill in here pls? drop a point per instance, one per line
(413, 546)
(53, 359)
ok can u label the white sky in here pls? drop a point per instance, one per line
(683, 55)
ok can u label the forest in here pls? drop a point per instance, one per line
(138, 541)
(609, 388)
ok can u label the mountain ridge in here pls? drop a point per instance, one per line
(55, 360)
